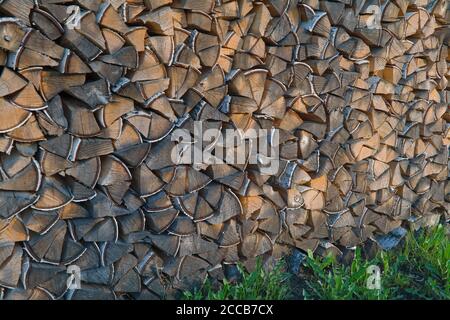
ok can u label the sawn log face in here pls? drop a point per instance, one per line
(91, 93)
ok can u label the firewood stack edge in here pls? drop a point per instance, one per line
(92, 90)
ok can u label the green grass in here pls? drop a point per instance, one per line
(419, 269)
(256, 285)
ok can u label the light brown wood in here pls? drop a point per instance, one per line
(88, 113)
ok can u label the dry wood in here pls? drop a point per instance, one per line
(87, 113)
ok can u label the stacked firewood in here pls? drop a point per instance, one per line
(92, 90)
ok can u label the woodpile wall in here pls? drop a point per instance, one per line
(91, 92)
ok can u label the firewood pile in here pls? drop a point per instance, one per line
(91, 92)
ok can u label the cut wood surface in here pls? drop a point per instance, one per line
(91, 92)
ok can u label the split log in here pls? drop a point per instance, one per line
(90, 105)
